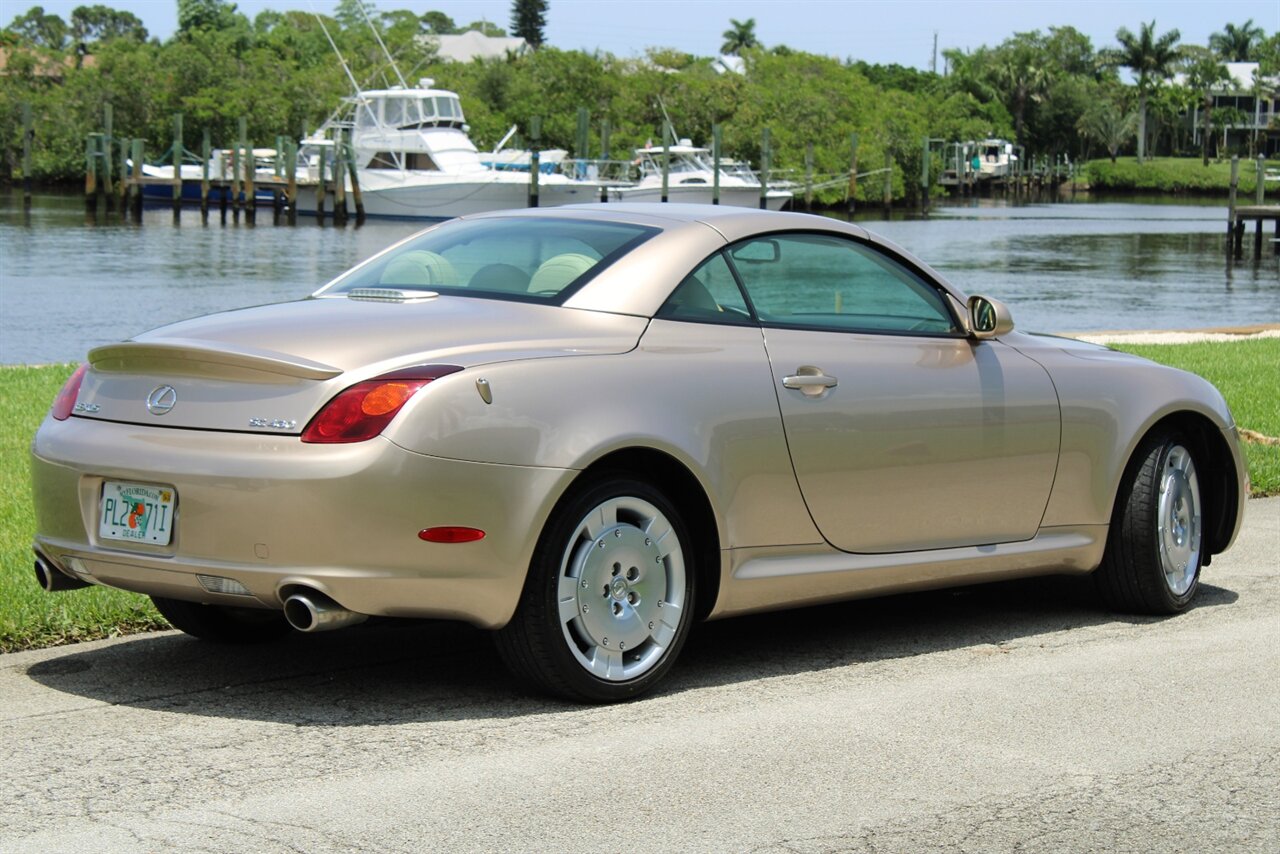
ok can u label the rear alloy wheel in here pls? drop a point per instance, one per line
(221, 623)
(609, 598)
(1153, 557)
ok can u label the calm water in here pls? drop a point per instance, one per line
(67, 285)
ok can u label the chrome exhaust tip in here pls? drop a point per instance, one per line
(314, 612)
(52, 579)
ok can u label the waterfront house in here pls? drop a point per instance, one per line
(1245, 106)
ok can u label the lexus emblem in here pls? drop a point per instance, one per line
(161, 400)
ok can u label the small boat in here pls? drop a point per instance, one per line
(977, 161)
(266, 168)
(414, 159)
(691, 179)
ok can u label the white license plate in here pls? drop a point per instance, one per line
(137, 513)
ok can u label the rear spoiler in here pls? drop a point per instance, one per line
(131, 355)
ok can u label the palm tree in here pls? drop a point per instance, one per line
(1108, 125)
(740, 36)
(1151, 59)
(1237, 44)
(1020, 75)
(1205, 72)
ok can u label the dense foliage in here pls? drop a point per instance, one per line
(1053, 93)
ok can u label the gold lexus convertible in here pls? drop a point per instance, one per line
(587, 427)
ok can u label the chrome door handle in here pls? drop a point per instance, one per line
(810, 380)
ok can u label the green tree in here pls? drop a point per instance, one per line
(484, 27)
(740, 36)
(206, 15)
(1237, 44)
(1106, 122)
(1022, 76)
(1151, 59)
(353, 14)
(1203, 72)
(40, 29)
(529, 20)
(438, 24)
(101, 23)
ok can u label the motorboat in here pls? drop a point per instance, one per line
(414, 158)
(978, 161)
(267, 167)
(691, 179)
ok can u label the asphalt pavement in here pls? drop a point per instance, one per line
(1007, 717)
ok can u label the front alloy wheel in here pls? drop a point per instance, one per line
(609, 595)
(1154, 548)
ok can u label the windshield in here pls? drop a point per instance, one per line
(520, 259)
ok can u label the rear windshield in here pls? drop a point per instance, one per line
(518, 259)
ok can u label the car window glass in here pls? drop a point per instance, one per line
(708, 295)
(821, 281)
(506, 258)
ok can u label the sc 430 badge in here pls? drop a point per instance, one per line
(273, 423)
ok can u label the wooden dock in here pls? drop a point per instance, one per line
(1258, 213)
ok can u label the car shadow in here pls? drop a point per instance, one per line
(395, 671)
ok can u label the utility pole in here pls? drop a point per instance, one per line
(933, 63)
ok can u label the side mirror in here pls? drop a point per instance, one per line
(988, 318)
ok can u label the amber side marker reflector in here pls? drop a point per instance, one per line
(451, 534)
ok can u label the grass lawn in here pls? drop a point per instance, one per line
(1247, 372)
(29, 617)
(1175, 174)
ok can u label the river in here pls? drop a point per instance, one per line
(68, 283)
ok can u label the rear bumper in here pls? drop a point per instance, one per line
(272, 513)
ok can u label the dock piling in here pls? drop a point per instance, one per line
(666, 158)
(716, 148)
(320, 188)
(339, 181)
(581, 141)
(604, 158)
(122, 186)
(851, 194)
(535, 159)
(356, 195)
(766, 156)
(28, 134)
(178, 149)
(1233, 245)
(1260, 189)
(888, 181)
(135, 187)
(291, 179)
(808, 176)
(91, 172)
(204, 175)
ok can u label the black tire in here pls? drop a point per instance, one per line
(223, 624)
(1144, 570)
(557, 655)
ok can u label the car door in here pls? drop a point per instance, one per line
(905, 434)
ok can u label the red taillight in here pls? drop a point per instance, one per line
(65, 402)
(451, 534)
(364, 410)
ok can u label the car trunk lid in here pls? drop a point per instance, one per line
(269, 369)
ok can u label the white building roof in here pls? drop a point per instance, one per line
(474, 44)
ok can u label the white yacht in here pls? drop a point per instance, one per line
(414, 159)
(691, 179)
